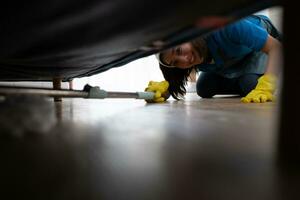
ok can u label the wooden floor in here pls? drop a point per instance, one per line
(126, 149)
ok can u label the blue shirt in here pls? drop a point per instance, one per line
(236, 48)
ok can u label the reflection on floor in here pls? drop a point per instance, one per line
(126, 149)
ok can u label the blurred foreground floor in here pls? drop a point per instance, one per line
(126, 149)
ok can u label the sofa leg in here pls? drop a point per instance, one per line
(71, 85)
(57, 86)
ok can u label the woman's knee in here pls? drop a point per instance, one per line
(204, 93)
(206, 85)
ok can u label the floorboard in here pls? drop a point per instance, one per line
(126, 149)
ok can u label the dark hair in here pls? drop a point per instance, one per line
(177, 79)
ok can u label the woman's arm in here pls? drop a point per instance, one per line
(273, 48)
(267, 83)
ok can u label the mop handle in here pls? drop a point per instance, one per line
(93, 93)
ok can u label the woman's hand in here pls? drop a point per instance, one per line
(263, 91)
(160, 89)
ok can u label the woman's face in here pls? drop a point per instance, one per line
(183, 56)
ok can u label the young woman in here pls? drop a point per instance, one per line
(242, 58)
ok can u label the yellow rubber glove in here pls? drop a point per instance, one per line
(263, 91)
(160, 89)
